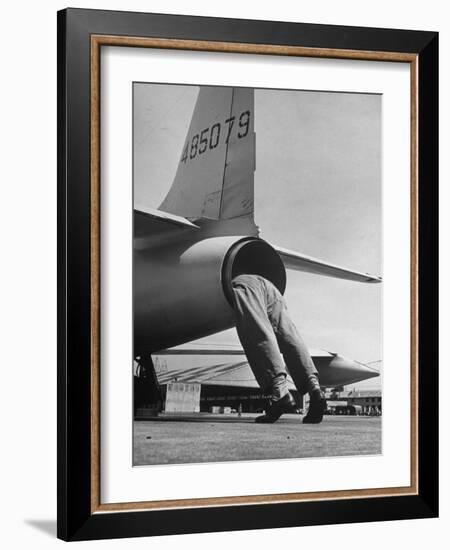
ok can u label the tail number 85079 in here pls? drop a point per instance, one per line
(210, 137)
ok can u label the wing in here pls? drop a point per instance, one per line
(334, 370)
(300, 262)
(231, 374)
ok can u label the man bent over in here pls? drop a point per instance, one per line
(265, 328)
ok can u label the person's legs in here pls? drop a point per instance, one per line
(258, 340)
(260, 345)
(294, 350)
(297, 358)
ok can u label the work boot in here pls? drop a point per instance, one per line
(317, 407)
(284, 405)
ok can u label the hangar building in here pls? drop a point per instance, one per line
(225, 387)
(228, 386)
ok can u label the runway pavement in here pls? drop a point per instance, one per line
(170, 439)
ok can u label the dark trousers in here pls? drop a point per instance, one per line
(265, 329)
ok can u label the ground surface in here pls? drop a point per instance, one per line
(220, 438)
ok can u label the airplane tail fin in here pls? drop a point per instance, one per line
(215, 175)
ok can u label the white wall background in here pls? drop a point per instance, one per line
(28, 270)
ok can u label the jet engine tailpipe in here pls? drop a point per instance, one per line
(183, 292)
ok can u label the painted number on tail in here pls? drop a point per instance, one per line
(210, 137)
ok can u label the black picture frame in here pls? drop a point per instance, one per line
(77, 518)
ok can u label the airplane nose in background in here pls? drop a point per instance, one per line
(343, 371)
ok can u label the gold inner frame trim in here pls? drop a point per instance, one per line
(97, 41)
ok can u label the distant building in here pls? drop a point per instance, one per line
(226, 387)
(369, 400)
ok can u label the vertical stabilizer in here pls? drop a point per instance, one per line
(215, 175)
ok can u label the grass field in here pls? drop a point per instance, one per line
(209, 438)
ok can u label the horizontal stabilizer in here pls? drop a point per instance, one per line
(300, 262)
(164, 216)
(149, 221)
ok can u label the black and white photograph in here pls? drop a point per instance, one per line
(257, 274)
(222, 239)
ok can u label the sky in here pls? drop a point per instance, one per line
(317, 191)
